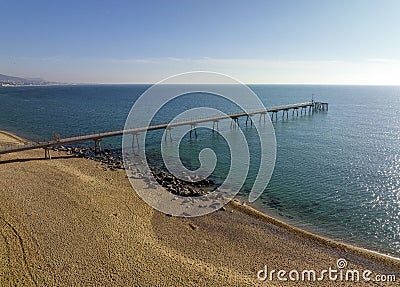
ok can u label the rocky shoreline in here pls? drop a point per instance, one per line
(181, 187)
(112, 160)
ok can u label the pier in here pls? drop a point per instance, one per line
(309, 107)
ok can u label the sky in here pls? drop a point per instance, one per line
(278, 42)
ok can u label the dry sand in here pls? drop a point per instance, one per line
(66, 222)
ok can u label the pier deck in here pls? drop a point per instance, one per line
(312, 106)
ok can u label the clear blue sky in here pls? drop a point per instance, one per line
(255, 41)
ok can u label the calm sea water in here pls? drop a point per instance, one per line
(337, 173)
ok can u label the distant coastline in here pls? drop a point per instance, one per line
(11, 81)
(32, 85)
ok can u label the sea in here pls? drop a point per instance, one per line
(337, 173)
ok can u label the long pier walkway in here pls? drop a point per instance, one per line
(46, 145)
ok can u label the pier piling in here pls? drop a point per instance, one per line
(135, 136)
(47, 154)
(97, 146)
(215, 125)
(193, 128)
(235, 122)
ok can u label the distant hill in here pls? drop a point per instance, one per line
(17, 81)
(5, 78)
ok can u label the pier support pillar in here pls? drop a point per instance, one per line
(215, 125)
(193, 128)
(274, 113)
(262, 115)
(47, 154)
(97, 146)
(235, 122)
(135, 136)
(283, 114)
(168, 130)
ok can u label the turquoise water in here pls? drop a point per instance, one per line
(337, 173)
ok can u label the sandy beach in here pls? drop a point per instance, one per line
(66, 222)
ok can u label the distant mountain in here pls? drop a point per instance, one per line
(6, 80)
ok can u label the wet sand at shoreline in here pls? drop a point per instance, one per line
(66, 222)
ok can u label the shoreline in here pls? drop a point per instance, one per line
(271, 219)
(313, 236)
(310, 232)
(14, 136)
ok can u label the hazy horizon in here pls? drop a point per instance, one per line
(246, 83)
